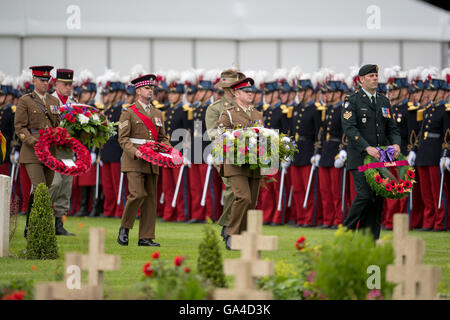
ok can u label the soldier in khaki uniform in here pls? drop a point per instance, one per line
(243, 181)
(227, 78)
(37, 110)
(139, 124)
(61, 188)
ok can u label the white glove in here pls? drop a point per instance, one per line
(209, 160)
(285, 164)
(14, 158)
(186, 162)
(93, 157)
(338, 163)
(447, 163)
(342, 155)
(442, 164)
(101, 163)
(315, 160)
(412, 158)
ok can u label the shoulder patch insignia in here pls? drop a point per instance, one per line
(347, 115)
(123, 124)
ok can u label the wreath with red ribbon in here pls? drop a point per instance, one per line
(383, 181)
(60, 137)
(162, 155)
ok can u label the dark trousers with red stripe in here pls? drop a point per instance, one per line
(312, 213)
(181, 210)
(330, 192)
(110, 175)
(350, 193)
(433, 217)
(197, 180)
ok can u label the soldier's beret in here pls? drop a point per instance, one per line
(368, 68)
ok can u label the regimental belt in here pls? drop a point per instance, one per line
(432, 135)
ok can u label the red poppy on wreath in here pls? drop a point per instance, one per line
(388, 187)
(60, 137)
(411, 174)
(393, 184)
(378, 178)
(407, 184)
(399, 188)
(161, 155)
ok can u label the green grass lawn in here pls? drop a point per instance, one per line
(175, 239)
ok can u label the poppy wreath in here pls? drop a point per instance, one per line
(60, 137)
(383, 182)
(152, 152)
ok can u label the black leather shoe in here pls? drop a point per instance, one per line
(292, 222)
(59, 228)
(324, 226)
(228, 243)
(437, 230)
(148, 243)
(274, 224)
(425, 229)
(196, 221)
(223, 234)
(122, 239)
(334, 227)
(266, 223)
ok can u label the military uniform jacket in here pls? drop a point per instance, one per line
(274, 118)
(7, 127)
(232, 118)
(365, 126)
(131, 126)
(400, 114)
(304, 127)
(414, 118)
(213, 113)
(31, 115)
(446, 143)
(111, 151)
(330, 136)
(431, 135)
(198, 132)
(176, 117)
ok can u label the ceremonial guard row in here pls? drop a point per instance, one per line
(312, 190)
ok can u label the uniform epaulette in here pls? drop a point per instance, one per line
(159, 106)
(163, 116)
(288, 111)
(190, 111)
(447, 107)
(186, 107)
(99, 106)
(228, 108)
(13, 108)
(420, 114)
(265, 107)
(283, 107)
(155, 103)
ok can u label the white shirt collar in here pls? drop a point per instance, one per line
(42, 97)
(146, 106)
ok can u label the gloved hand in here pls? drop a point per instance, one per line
(338, 163)
(342, 155)
(285, 164)
(93, 157)
(100, 163)
(447, 163)
(442, 164)
(315, 160)
(412, 158)
(14, 157)
(209, 160)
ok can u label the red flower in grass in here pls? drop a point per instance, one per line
(388, 187)
(16, 295)
(178, 261)
(407, 184)
(147, 270)
(399, 188)
(378, 178)
(411, 174)
(187, 269)
(155, 255)
(300, 243)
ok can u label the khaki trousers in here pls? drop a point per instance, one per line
(228, 198)
(39, 173)
(61, 188)
(245, 191)
(142, 195)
